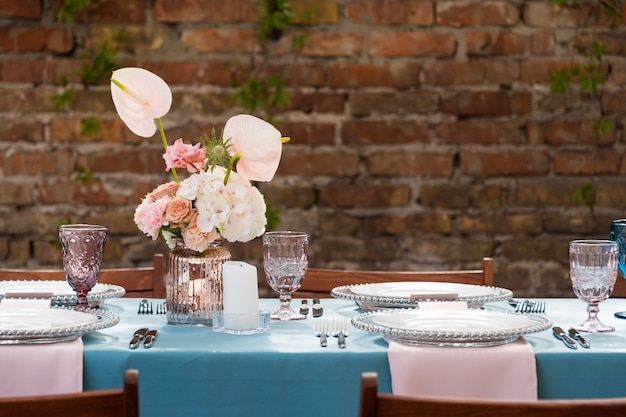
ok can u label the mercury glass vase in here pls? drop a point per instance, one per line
(194, 285)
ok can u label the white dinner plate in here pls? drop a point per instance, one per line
(48, 325)
(382, 295)
(485, 327)
(62, 293)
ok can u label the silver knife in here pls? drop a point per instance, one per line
(560, 334)
(150, 336)
(137, 336)
(581, 340)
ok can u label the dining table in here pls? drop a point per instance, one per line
(193, 370)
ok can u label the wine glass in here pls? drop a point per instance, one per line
(618, 235)
(82, 246)
(285, 261)
(593, 270)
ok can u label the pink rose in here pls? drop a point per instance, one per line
(149, 216)
(177, 210)
(164, 190)
(195, 238)
(181, 155)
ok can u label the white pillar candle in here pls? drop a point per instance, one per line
(241, 295)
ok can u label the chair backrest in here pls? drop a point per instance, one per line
(138, 282)
(122, 402)
(375, 404)
(319, 282)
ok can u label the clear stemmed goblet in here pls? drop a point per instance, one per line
(593, 270)
(285, 261)
(82, 246)
(618, 235)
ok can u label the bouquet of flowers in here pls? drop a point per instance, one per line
(217, 200)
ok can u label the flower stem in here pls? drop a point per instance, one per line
(164, 139)
(231, 164)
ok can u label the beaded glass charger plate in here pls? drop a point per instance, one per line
(62, 293)
(460, 328)
(56, 324)
(409, 293)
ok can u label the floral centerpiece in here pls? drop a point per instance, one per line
(217, 200)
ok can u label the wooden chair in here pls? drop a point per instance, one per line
(375, 404)
(319, 282)
(138, 282)
(123, 402)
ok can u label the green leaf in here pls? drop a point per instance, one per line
(90, 126)
(603, 126)
(559, 81)
(83, 175)
(69, 8)
(584, 194)
(272, 214)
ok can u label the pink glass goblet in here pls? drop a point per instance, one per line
(285, 261)
(82, 246)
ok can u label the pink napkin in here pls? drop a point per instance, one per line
(506, 372)
(40, 369)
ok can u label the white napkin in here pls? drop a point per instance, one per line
(505, 372)
(40, 369)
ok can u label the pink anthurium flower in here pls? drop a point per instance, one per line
(140, 97)
(255, 145)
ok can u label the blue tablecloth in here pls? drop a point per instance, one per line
(192, 370)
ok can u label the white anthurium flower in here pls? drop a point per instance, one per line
(140, 97)
(256, 143)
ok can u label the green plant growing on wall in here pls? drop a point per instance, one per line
(590, 76)
(264, 91)
(100, 63)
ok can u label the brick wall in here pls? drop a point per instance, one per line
(424, 135)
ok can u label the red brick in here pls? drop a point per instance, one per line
(131, 11)
(23, 70)
(413, 223)
(393, 74)
(389, 164)
(37, 163)
(58, 68)
(383, 132)
(6, 40)
(218, 40)
(484, 13)
(136, 161)
(400, 103)
(566, 133)
(215, 11)
(613, 101)
(301, 74)
(319, 102)
(604, 161)
(27, 9)
(71, 192)
(370, 195)
(25, 99)
(16, 130)
(479, 132)
(509, 43)
(546, 15)
(332, 44)
(504, 163)
(393, 13)
(445, 73)
(414, 44)
(310, 12)
(56, 40)
(17, 193)
(487, 103)
(537, 71)
(338, 164)
(308, 133)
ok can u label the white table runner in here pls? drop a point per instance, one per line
(505, 372)
(40, 369)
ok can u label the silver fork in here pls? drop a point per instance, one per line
(321, 331)
(539, 307)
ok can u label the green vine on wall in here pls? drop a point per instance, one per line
(263, 90)
(100, 64)
(590, 76)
